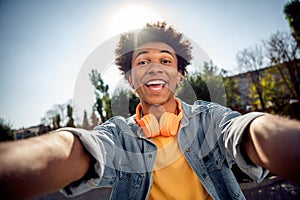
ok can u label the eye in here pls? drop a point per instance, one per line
(166, 61)
(142, 63)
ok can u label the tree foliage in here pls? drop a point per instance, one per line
(89, 123)
(213, 78)
(119, 101)
(94, 119)
(124, 102)
(59, 115)
(252, 59)
(85, 122)
(56, 122)
(284, 53)
(103, 100)
(292, 14)
(233, 95)
(274, 71)
(70, 122)
(6, 132)
(206, 85)
(133, 102)
(272, 92)
(192, 88)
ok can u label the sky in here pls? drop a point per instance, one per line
(48, 47)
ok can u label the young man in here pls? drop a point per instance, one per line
(168, 150)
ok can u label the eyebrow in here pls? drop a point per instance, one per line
(162, 51)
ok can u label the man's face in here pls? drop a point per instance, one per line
(154, 73)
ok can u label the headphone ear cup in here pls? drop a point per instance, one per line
(153, 126)
(150, 125)
(162, 122)
(169, 124)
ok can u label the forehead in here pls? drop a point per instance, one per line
(154, 46)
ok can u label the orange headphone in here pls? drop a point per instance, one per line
(167, 125)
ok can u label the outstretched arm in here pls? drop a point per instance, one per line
(41, 164)
(273, 142)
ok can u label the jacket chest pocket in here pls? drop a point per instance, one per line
(134, 179)
(129, 175)
(129, 184)
(214, 160)
(222, 176)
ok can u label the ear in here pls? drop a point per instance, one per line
(129, 79)
(179, 76)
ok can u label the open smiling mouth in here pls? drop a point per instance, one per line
(156, 85)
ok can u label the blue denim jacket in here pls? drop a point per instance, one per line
(209, 137)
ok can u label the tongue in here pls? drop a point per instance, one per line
(156, 87)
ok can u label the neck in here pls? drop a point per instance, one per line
(158, 110)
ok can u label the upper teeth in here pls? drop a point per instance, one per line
(156, 82)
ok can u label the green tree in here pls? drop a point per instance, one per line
(269, 91)
(212, 76)
(119, 101)
(107, 107)
(103, 100)
(94, 119)
(292, 15)
(134, 100)
(70, 122)
(192, 88)
(206, 85)
(275, 92)
(56, 122)
(122, 98)
(47, 120)
(85, 122)
(252, 60)
(6, 132)
(283, 52)
(57, 114)
(233, 95)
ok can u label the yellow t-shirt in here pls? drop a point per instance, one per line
(172, 175)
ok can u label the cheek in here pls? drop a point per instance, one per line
(175, 76)
(136, 78)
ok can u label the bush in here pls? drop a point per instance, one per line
(6, 132)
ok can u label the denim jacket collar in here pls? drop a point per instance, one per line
(189, 111)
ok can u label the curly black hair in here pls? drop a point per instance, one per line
(152, 32)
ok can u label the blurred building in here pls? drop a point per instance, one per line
(31, 132)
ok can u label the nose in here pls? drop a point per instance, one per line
(155, 68)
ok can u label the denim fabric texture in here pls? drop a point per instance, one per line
(209, 137)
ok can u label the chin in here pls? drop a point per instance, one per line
(160, 100)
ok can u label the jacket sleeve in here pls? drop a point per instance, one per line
(232, 127)
(99, 144)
